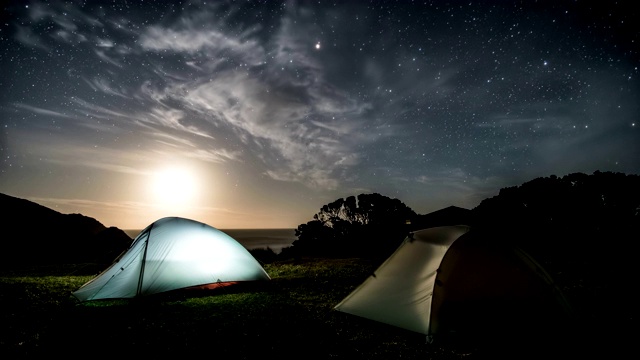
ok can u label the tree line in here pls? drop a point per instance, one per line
(550, 217)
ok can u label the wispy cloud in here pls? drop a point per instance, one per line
(41, 111)
(103, 85)
(268, 90)
(27, 37)
(102, 55)
(55, 203)
(307, 151)
(100, 111)
(282, 106)
(105, 43)
(76, 153)
(210, 42)
(164, 120)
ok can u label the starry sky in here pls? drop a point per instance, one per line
(255, 114)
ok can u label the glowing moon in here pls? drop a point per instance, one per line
(174, 186)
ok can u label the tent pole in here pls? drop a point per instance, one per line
(144, 260)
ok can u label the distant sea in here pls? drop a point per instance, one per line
(274, 239)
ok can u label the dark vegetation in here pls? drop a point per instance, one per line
(289, 317)
(575, 225)
(582, 228)
(372, 227)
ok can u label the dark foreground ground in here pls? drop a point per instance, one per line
(289, 317)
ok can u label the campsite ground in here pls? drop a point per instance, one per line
(290, 316)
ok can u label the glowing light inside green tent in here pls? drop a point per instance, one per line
(174, 253)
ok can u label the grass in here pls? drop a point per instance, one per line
(289, 317)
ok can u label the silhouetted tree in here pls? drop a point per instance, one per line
(372, 226)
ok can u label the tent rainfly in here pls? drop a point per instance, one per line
(173, 253)
(444, 280)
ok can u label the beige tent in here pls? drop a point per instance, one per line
(446, 279)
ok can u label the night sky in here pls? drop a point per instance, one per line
(255, 114)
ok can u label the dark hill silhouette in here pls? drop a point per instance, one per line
(42, 236)
(451, 215)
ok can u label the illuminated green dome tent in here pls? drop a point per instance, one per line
(173, 253)
(446, 279)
